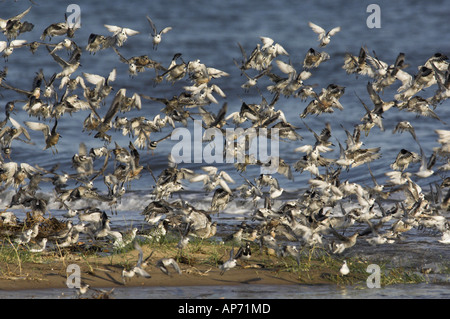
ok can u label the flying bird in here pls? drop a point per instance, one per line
(324, 36)
(157, 36)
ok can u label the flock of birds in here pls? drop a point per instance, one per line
(318, 216)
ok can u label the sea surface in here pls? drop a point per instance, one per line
(210, 31)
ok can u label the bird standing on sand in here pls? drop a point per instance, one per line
(344, 269)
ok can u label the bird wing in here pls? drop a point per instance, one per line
(115, 105)
(175, 265)
(317, 29)
(141, 272)
(334, 31)
(141, 254)
(285, 68)
(112, 28)
(122, 58)
(130, 32)
(162, 267)
(165, 30)
(112, 75)
(373, 95)
(36, 126)
(93, 78)
(17, 43)
(227, 177)
(20, 15)
(152, 25)
(266, 42)
(225, 186)
(211, 170)
(57, 58)
(199, 178)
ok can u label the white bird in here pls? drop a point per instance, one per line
(83, 289)
(272, 49)
(344, 269)
(100, 82)
(120, 34)
(425, 167)
(68, 67)
(324, 36)
(136, 270)
(230, 263)
(39, 247)
(445, 239)
(24, 237)
(8, 49)
(64, 44)
(184, 241)
(212, 179)
(157, 35)
(275, 192)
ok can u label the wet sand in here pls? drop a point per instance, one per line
(50, 271)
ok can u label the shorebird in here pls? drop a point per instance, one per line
(324, 36)
(445, 238)
(326, 101)
(405, 126)
(344, 270)
(83, 289)
(403, 159)
(229, 264)
(68, 67)
(164, 263)
(102, 85)
(220, 200)
(12, 27)
(60, 29)
(244, 253)
(24, 237)
(157, 36)
(344, 242)
(235, 237)
(120, 34)
(184, 238)
(175, 71)
(253, 80)
(213, 178)
(425, 169)
(98, 42)
(292, 251)
(8, 48)
(271, 50)
(64, 44)
(39, 247)
(51, 136)
(137, 269)
(357, 64)
(313, 58)
(287, 86)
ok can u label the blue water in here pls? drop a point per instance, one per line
(209, 31)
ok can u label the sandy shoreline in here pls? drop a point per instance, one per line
(106, 272)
